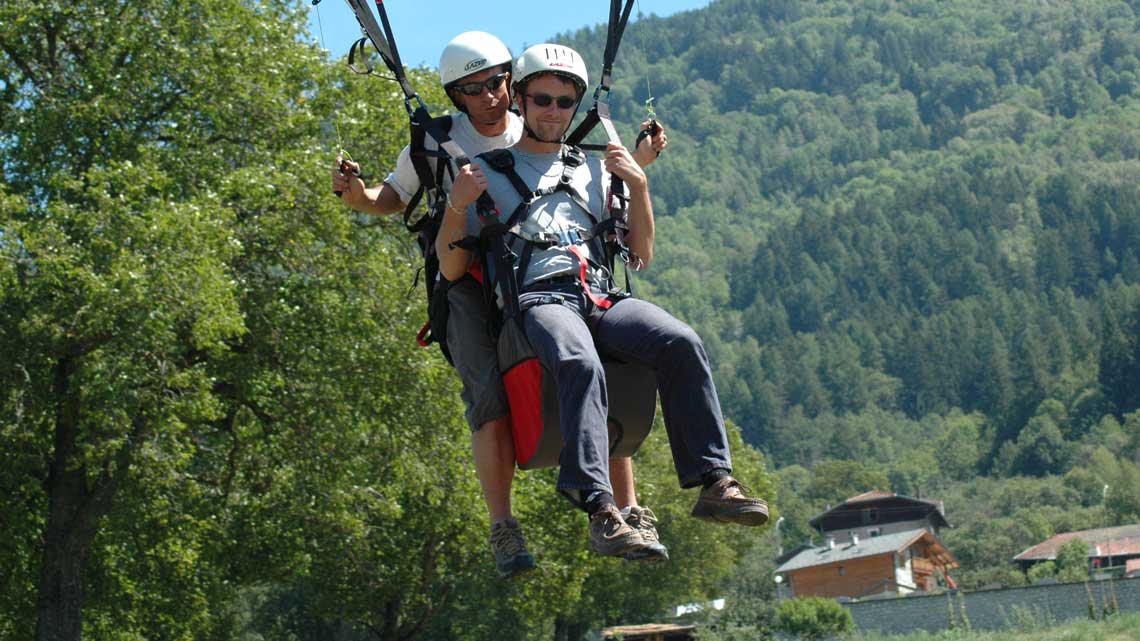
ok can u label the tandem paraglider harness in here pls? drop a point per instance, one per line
(504, 254)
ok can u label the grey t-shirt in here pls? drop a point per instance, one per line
(404, 178)
(551, 214)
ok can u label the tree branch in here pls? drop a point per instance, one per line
(22, 65)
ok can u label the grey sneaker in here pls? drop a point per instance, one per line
(725, 502)
(642, 519)
(610, 535)
(509, 548)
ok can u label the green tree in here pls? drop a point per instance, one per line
(1042, 570)
(208, 378)
(1073, 562)
(813, 618)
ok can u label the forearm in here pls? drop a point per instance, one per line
(641, 226)
(380, 201)
(453, 261)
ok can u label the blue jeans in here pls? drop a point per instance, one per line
(570, 340)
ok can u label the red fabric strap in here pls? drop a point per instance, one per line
(583, 264)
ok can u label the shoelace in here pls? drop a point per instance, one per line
(611, 521)
(733, 484)
(645, 524)
(508, 540)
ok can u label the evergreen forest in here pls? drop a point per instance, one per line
(908, 232)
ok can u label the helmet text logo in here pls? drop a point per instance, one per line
(475, 64)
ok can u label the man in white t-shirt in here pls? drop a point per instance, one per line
(475, 69)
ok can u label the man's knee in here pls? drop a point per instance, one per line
(581, 366)
(685, 346)
(499, 425)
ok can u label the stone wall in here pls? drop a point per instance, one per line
(994, 609)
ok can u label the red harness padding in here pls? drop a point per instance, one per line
(522, 379)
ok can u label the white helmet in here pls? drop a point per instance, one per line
(552, 58)
(471, 52)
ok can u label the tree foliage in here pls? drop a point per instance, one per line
(215, 422)
(813, 618)
(907, 231)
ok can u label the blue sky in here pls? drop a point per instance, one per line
(423, 27)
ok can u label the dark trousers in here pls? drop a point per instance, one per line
(570, 340)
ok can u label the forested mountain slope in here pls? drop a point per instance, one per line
(909, 232)
(911, 206)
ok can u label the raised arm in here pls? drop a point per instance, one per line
(377, 201)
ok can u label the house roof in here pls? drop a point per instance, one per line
(794, 551)
(648, 630)
(869, 496)
(875, 507)
(874, 546)
(1123, 540)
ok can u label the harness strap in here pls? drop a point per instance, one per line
(431, 182)
(583, 265)
(494, 242)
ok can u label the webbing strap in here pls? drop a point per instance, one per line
(619, 18)
(583, 267)
(385, 43)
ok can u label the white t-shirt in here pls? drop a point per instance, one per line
(404, 178)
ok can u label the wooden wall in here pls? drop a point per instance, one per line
(859, 576)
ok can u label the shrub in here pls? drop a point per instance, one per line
(813, 618)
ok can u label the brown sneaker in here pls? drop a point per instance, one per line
(642, 519)
(610, 535)
(725, 502)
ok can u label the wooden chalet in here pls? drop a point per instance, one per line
(875, 543)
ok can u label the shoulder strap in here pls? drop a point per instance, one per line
(503, 162)
(420, 154)
(430, 177)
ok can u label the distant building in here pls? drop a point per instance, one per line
(1111, 547)
(875, 543)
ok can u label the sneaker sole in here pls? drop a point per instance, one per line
(519, 565)
(619, 548)
(648, 554)
(751, 516)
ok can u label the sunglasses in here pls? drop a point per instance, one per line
(491, 84)
(544, 100)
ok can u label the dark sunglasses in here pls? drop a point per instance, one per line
(491, 84)
(544, 100)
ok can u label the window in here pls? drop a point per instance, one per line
(875, 531)
(842, 572)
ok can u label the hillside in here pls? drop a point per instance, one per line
(908, 231)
